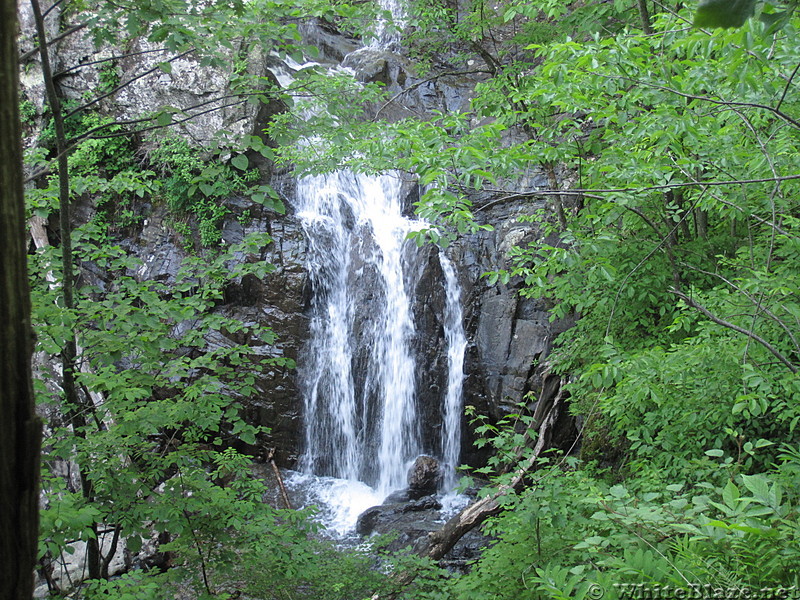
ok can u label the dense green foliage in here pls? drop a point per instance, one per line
(679, 255)
(678, 248)
(147, 456)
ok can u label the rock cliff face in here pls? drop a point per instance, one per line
(277, 301)
(509, 337)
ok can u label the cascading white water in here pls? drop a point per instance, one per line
(362, 419)
(330, 405)
(359, 370)
(359, 427)
(456, 347)
(385, 36)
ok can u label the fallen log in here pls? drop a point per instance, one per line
(440, 542)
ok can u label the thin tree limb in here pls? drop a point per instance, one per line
(776, 111)
(69, 350)
(786, 89)
(122, 86)
(646, 188)
(110, 59)
(754, 336)
(763, 309)
(55, 40)
(277, 471)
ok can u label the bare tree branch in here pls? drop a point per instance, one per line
(664, 186)
(55, 40)
(110, 59)
(53, 7)
(753, 300)
(786, 89)
(755, 337)
(123, 85)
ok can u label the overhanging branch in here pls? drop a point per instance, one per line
(752, 335)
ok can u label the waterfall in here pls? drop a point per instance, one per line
(359, 425)
(384, 36)
(359, 372)
(456, 347)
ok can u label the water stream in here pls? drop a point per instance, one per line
(456, 348)
(358, 372)
(363, 419)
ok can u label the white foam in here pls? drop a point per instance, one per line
(339, 501)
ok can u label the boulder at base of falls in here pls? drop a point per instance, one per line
(424, 477)
(409, 522)
(409, 513)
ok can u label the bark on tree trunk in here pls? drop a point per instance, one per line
(701, 223)
(644, 16)
(20, 430)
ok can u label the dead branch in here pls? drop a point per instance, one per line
(752, 335)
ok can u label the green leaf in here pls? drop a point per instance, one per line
(134, 543)
(730, 495)
(241, 162)
(776, 20)
(723, 13)
(758, 486)
(618, 491)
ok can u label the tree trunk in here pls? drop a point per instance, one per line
(552, 181)
(644, 16)
(20, 430)
(76, 410)
(701, 223)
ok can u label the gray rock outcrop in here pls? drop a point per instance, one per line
(423, 477)
(509, 337)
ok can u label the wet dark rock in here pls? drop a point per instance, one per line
(468, 548)
(425, 503)
(423, 477)
(510, 337)
(332, 45)
(397, 497)
(429, 348)
(407, 521)
(368, 520)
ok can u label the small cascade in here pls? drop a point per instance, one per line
(456, 347)
(385, 36)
